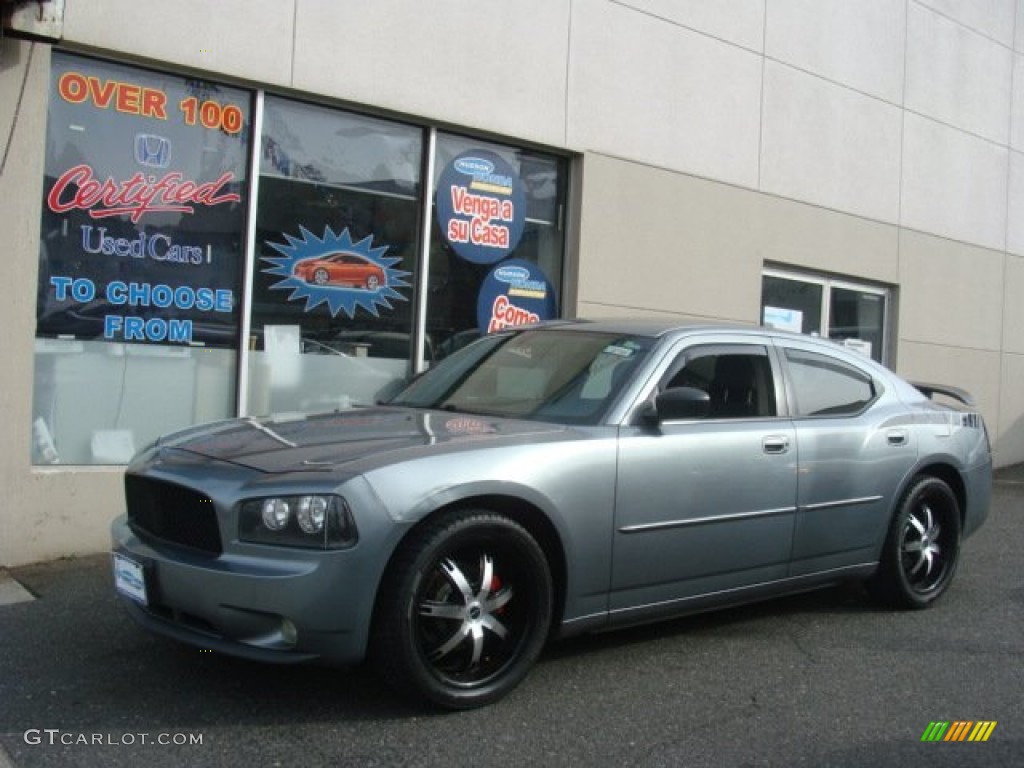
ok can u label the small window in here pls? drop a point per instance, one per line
(851, 313)
(823, 386)
(738, 380)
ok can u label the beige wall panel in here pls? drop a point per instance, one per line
(954, 184)
(646, 89)
(604, 311)
(858, 44)
(72, 512)
(500, 69)
(993, 18)
(246, 38)
(975, 370)
(45, 514)
(826, 144)
(957, 76)
(658, 241)
(735, 21)
(1013, 310)
(800, 235)
(950, 293)
(1009, 437)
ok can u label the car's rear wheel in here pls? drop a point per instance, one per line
(922, 547)
(372, 282)
(320, 277)
(464, 610)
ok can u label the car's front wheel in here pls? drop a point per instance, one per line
(320, 277)
(464, 610)
(922, 547)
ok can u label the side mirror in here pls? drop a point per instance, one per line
(677, 403)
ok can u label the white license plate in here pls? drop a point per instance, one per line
(129, 578)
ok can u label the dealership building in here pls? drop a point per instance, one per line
(263, 207)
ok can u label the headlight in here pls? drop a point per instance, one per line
(314, 521)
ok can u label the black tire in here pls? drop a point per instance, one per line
(922, 547)
(320, 277)
(372, 283)
(439, 634)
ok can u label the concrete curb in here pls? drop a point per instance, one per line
(12, 592)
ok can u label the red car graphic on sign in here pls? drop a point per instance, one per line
(341, 268)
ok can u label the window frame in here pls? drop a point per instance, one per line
(827, 284)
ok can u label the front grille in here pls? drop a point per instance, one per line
(172, 513)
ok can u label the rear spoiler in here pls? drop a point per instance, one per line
(930, 390)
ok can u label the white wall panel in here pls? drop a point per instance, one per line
(826, 144)
(1017, 114)
(501, 69)
(993, 18)
(954, 184)
(859, 44)
(652, 91)
(957, 76)
(1018, 24)
(736, 21)
(1015, 206)
(246, 38)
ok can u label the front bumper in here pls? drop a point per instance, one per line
(291, 606)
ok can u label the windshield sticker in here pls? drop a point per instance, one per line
(515, 293)
(481, 206)
(468, 426)
(336, 271)
(614, 349)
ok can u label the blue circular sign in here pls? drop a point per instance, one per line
(481, 206)
(516, 292)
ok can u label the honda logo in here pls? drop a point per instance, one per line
(152, 151)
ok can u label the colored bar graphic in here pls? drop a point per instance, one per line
(982, 731)
(958, 730)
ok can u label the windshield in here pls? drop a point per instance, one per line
(568, 377)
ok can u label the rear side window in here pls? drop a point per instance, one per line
(824, 386)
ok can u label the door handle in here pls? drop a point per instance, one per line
(896, 437)
(775, 444)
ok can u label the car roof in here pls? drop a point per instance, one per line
(647, 326)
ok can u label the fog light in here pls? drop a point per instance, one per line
(275, 514)
(312, 513)
(289, 634)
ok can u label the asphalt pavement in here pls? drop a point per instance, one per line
(822, 679)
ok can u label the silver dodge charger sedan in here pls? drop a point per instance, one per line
(549, 481)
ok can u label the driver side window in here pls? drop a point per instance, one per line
(738, 380)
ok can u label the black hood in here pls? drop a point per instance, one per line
(329, 440)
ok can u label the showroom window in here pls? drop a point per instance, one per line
(337, 221)
(485, 276)
(854, 314)
(208, 251)
(141, 245)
